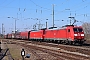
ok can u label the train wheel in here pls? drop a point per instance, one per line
(71, 42)
(58, 41)
(66, 42)
(55, 41)
(81, 43)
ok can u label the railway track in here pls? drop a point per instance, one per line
(60, 54)
(56, 53)
(80, 49)
(7, 51)
(57, 50)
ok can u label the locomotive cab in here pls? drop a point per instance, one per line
(78, 34)
(75, 34)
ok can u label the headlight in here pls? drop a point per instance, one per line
(82, 34)
(75, 34)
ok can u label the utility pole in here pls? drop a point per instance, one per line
(15, 28)
(39, 25)
(53, 15)
(46, 23)
(2, 29)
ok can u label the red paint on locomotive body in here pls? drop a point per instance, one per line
(65, 33)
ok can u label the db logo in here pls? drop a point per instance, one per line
(78, 34)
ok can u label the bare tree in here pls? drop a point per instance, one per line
(86, 28)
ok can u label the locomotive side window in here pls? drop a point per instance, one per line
(75, 29)
(68, 30)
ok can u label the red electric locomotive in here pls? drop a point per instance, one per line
(68, 34)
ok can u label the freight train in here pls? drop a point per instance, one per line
(68, 34)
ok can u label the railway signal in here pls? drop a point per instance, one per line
(22, 54)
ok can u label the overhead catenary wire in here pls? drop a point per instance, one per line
(7, 4)
(2, 2)
(39, 5)
(43, 7)
(78, 6)
(47, 8)
(75, 11)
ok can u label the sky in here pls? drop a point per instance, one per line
(28, 13)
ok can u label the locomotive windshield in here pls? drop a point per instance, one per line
(77, 29)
